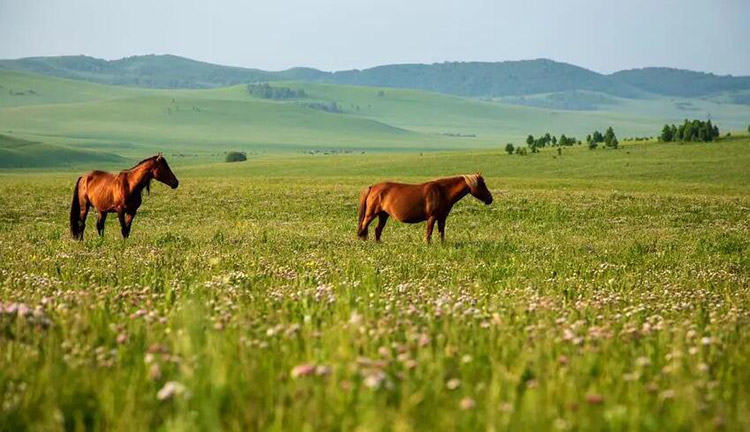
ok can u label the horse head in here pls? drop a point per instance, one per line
(478, 188)
(163, 173)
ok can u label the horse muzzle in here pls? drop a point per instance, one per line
(176, 183)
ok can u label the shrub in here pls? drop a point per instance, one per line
(234, 156)
(509, 148)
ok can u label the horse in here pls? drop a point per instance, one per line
(414, 203)
(116, 193)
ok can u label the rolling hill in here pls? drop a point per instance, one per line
(110, 122)
(471, 79)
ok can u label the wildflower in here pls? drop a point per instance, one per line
(374, 379)
(467, 403)
(322, 370)
(154, 372)
(302, 370)
(667, 394)
(424, 340)
(172, 389)
(453, 383)
(355, 318)
(595, 399)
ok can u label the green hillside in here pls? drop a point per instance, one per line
(202, 124)
(20, 153)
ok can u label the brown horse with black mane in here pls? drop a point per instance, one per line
(409, 203)
(116, 193)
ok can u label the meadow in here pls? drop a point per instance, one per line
(602, 290)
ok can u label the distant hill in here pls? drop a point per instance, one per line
(472, 79)
(153, 71)
(678, 82)
(511, 78)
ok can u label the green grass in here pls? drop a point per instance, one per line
(603, 290)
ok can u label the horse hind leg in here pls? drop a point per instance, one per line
(428, 232)
(82, 222)
(100, 223)
(382, 219)
(362, 233)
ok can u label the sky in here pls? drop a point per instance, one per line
(602, 35)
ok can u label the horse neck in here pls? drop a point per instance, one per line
(456, 188)
(139, 176)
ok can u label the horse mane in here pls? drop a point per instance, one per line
(148, 183)
(145, 160)
(472, 179)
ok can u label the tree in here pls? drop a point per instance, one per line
(609, 136)
(598, 137)
(509, 148)
(530, 140)
(666, 133)
(588, 139)
(748, 128)
(554, 140)
(593, 144)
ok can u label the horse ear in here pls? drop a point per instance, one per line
(159, 156)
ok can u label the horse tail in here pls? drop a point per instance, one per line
(75, 213)
(362, 207)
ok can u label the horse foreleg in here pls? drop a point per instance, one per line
(441, 229)
(382, 219)
(100, 222)
(430, 226)
(126, 219)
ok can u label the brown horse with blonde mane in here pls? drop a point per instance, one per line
(116, 193)
(410, 203)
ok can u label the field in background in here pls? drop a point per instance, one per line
(68, 123)
(603, 290)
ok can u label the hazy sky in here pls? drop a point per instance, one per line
(706, 35)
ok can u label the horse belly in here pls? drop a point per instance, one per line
(102, 198)
(406, 209)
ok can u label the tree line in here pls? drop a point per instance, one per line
(265, 91)
(695, 130)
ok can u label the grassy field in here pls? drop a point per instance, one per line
(603, 290)
(72, 123)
